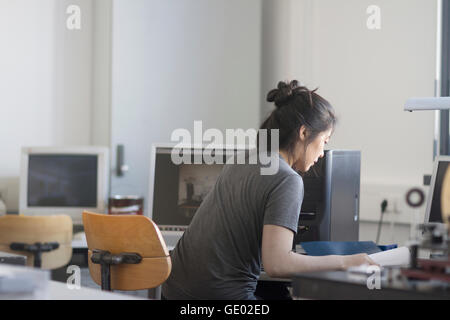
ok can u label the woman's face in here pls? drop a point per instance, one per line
(314, 151)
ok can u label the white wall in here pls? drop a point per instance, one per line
(175, 62)
(74, 75)
(45, 82)
(27, 84)
(101, 72)
(391, 232)
(56, 84)
(367, 76)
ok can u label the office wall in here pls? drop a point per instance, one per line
(175, 62)
(101, 72)
(367, 75)
(45, 82)
(57, 83)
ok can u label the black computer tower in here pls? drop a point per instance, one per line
(330, 208)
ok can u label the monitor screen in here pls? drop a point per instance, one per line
(436, 209)
(179, 190)
(56, 180)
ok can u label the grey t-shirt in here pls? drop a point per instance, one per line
(219, 255)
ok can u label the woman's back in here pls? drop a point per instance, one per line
(219, 255)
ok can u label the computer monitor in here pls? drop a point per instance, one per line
(177, 190)
(433, 212)
(64, 180)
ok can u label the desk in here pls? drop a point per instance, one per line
(19, 282)
(60, 291)
(340, 285)
(79, 244)
(265, 277)
(82, 245)
(14, 259)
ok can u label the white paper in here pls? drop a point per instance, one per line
(390, 258)
(395, 257)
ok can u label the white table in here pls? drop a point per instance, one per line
(82, 244)
(79, 244)
(60, 291)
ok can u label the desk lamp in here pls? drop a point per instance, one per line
(421, 104)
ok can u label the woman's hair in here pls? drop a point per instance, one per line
(297, 106)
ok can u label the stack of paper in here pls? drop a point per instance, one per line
(396, 257)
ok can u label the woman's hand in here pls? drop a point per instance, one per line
(356, 260)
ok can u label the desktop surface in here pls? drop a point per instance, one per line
(342, 285)
(60, 291)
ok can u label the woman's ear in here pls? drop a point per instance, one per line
(302, 134)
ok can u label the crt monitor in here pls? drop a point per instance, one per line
(177, 190)
(64, 180)
(434, 205)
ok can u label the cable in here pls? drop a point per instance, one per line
(384, 205)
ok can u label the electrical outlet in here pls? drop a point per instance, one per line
(393, 205)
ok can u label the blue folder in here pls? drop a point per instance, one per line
(326, 248)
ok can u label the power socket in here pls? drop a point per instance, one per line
(394, 205)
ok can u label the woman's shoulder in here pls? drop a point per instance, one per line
(269, 169)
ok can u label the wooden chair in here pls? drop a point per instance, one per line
(46, 241)
(445, 199)
(125, 252)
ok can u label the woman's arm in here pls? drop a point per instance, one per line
(280, 261)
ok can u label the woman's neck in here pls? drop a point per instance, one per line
(286, 157)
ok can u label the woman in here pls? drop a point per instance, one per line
(249, 218)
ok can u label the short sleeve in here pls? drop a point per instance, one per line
(284, 203)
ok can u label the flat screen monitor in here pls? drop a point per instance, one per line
(434, 204)
(64, 180)
(177, 190)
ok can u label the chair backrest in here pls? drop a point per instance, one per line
(445, 199)
(43, 229)
(128, 234)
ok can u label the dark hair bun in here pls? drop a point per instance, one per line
(283, 93)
